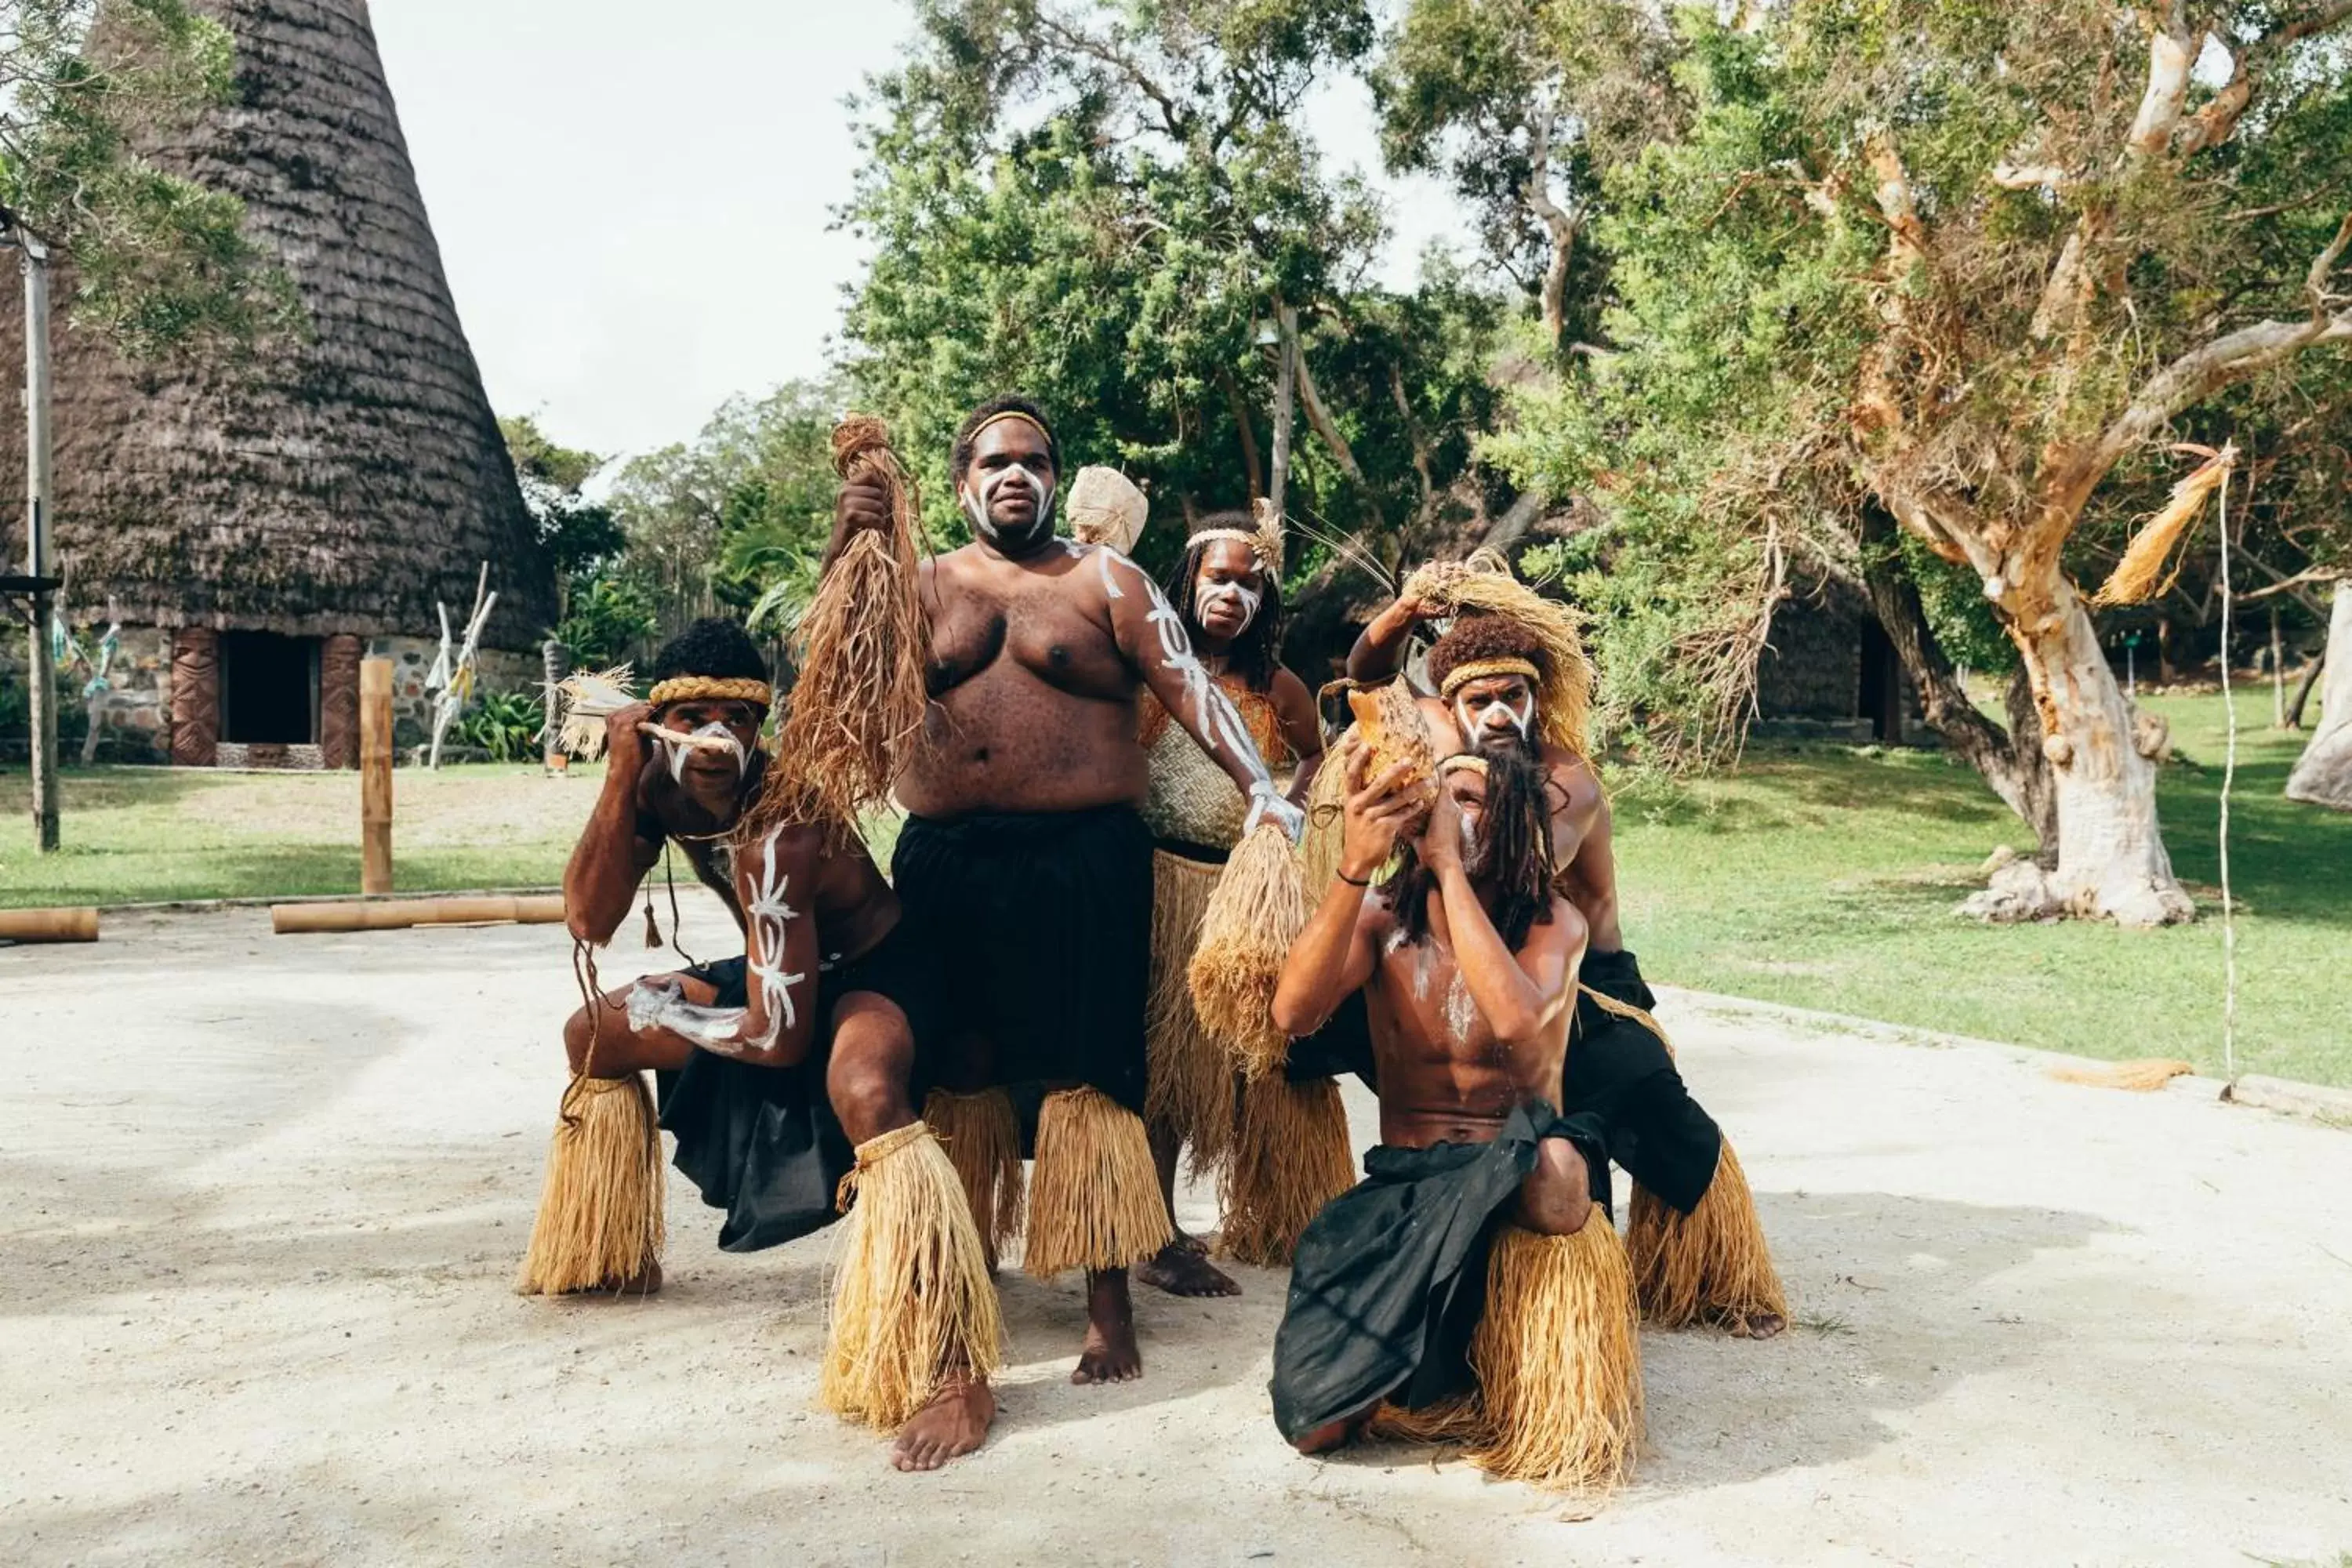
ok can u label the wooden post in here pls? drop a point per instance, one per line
(1285, 380)
(375, 775)
(39, 674)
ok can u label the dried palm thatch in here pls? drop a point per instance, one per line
(858, 703)
(1253, 918)
(587, 700)
(338, 481)
(1484, 585)
(2139, 575)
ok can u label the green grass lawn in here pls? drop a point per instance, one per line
(141, 835)
(1826, 877)
(1819, 876)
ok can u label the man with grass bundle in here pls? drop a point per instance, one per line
(785, 1075)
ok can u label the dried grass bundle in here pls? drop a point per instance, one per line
(1558, 1356)
(2140, 575)
(2141, 1077)
(1709, 1265)
(1253, 917)
(1484, 585)
(913, 1306)
(599, 1212)
(1191, 1076)
(1291, 1156)
(858, 703)
(982, 1137)
(586, 701)
(1094, 1203)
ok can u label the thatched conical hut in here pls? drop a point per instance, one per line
(257, 529)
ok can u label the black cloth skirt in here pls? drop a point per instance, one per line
(1038, 928)
(762, 1142)
(1617, 1069)
(1622, 1072)
(1390, 1280)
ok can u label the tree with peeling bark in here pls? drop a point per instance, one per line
(1961, 262)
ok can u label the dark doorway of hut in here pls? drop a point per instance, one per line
(1880, 698)
(269, 696)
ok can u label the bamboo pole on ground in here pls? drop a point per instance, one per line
(375, 775)
(399, 914)
(48, 925)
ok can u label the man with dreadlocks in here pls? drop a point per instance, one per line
(1024, 866)
(1227, 587)
(1699, 1252)
(771, 1066)
(1471, 1286)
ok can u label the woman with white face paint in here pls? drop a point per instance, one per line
(1228, 588)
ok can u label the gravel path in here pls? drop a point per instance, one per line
(263, 1196)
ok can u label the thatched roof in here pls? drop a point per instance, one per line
(351, 479)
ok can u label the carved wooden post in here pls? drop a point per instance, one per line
(375, 775)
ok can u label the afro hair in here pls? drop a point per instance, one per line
(714, 646)
(1475, 638)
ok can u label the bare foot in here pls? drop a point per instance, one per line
(644, 1282)
(1333, 1435)
(1755, 1325)
(1110, 1353)
(953, 1424)
(1196, 1245)
(1180, 1271)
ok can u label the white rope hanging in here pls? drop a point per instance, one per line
(2229, 780)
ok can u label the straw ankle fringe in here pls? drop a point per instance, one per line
(1191, 1091)
(1094, 1203)
(1253, 917)
(1291, 1156)
(1458, 1423)
(1711, 1265)
(600, 1211)
(984, 1143)
(913, 1306)
(1559, 1357)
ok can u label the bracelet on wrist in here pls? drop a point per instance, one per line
(1352, 882)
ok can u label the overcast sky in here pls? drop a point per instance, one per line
(635, 217)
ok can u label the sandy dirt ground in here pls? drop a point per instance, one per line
(264, 1196)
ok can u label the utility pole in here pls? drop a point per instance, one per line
(41, 671)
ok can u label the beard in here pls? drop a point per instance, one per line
(1517, 823)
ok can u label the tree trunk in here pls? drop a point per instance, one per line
(2111, 855)
(2010, 761)
(2322, 775)
(2302, 687)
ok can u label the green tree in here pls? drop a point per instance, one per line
(159, 262)
(1964, 263)
(578, 534)
(1113, 216)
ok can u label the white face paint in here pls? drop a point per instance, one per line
(662, 1003)
(716, 736)
(1216, 724)
(1474, 720)
(981, 493)
(1235, 596)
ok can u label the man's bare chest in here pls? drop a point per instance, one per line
(1043, 629)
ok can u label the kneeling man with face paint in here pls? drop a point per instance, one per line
(772, 1066)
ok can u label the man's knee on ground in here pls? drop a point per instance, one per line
(1557, 1197)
